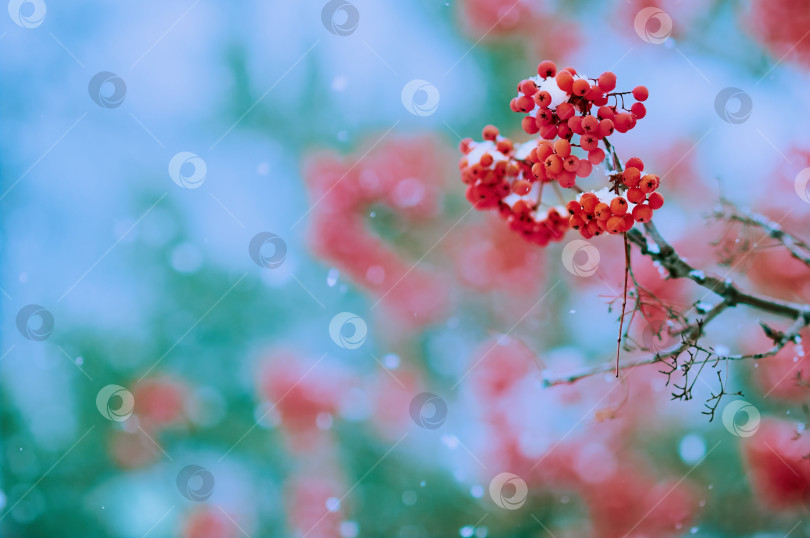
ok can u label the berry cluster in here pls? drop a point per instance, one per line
(510, 177)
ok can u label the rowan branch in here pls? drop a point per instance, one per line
(798, 248)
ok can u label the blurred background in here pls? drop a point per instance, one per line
(243, 293)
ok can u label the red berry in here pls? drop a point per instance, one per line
(639, 110)
(585, 168)
(641, 93)
(580, 87)
(504, 146)
(635, 162)
(566, 179)
(521, 187)
(575, 124)
(573, 207)
(590, 124)
(656, 200)
(635, 195)
(628, 222)
(618, 206)
(546, 69)
(544, 116)
(486, 160)
(594, 93)
(649, 183)
(539, 171)
(607, 81)
(588, 142)
(642, 213)
(623, 122)
(606, 113)
(513, 105)
(605, 128)
(529, 125)
(490, 132)
(542, 98)
(571, 70)
(564, 131)
(464, 145)
(524, 103)
(553, 164)
(596, 156)
(576, 222)
(565, 81)
(528, 87)
(571, 163)
(565, 111)
(549, 132)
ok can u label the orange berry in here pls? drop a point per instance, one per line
(553, 164)
(588, 201)
(642, 213)
(504, 146)
(486, 160)
(631, 176)
(615, 224)
(635, 162)
(635, 195)
(573, 207)
(649, 183)
(562, 147)
(576, 222)
(618, 206)
(602, 211)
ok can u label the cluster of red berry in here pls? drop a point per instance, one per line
(510, 177)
